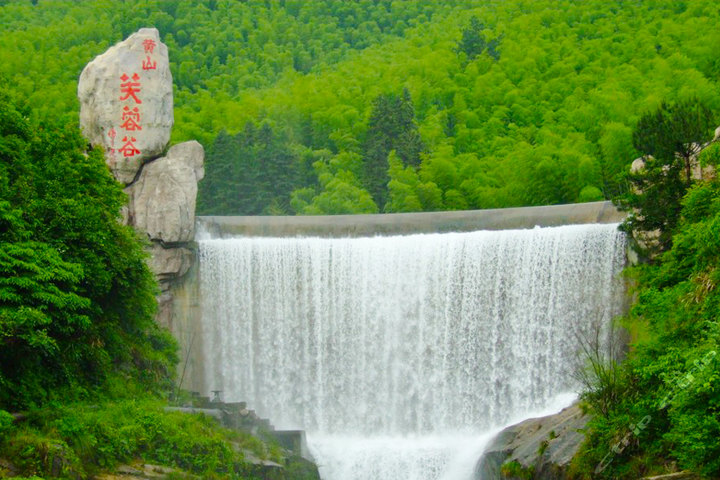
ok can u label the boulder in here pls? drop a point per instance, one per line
(637, 165)
(126, 102)
(162, 200)
(542, 447)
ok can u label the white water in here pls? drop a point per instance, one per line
(401, 355)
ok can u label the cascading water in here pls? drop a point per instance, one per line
(397, 353)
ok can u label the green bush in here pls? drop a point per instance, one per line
(515, 470)
(6, 423)
(93, 438)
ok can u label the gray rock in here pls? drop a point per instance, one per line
(545, 445)
(162, 201)
(637, 165)
(126, 102)
(165, 300)
(169, 263)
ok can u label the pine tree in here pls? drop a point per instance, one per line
(219, 166)
(669, 137)
(473, 41)
(392, 127)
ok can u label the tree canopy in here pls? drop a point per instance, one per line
(670, 138)
(515, 102)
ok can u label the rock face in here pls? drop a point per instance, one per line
(126, 102)
(163, 198)
(541, 447)
(126, 106)
(169, 263)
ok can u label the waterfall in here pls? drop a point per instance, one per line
(396, 353)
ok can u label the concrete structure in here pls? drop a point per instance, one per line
(408, 223)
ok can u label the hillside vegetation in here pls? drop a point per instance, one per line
(300, 104)
(333, 107)
(665, 412)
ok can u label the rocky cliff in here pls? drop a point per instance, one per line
(126, 107)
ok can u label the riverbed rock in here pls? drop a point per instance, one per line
(544, 446)
(126, 102)
(162, 200)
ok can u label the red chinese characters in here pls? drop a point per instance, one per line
(129, 149)
(131, 119)
(130, 88)
(149, 64)
(112, 133)
(149, 45)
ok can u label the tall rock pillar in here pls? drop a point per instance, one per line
(126, 106)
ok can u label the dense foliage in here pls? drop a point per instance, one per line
(670, 139)
(668, 413)
(76, 298)
(314, 107)
(78, 441)
(515, 102)
(80, 352)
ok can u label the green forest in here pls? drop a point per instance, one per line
(300, 105)
(332, 107)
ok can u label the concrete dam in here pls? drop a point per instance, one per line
(399, 342)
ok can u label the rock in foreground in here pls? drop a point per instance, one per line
(538, 447)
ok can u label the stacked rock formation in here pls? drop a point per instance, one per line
(126, 106)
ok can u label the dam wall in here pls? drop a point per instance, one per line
(409, 223)
(187, 312)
